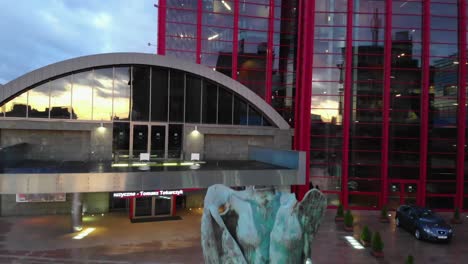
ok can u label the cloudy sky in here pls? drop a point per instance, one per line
(36, 33)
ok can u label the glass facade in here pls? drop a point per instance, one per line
(386, 77)
(133, 93)
(388, 87)
(253, 42)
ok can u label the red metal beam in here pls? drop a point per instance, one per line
(199, 31)
(304, 89)
(269, 59)
(162, 27)
(461, 123)
(424, 126)
(347, 103)
(386, 102)
(235, 41)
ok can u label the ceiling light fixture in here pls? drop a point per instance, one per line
(228, 7)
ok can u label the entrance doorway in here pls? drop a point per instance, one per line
(402, 192)
(149, 138)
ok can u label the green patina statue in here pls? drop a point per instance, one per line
(259, 225)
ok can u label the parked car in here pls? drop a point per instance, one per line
(423, 223)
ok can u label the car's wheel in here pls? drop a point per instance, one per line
(397, 222)
(417, 234)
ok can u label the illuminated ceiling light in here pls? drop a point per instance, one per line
(402, 54)
(413, 30)
(101, 128)
(228, 7)
(456, 62)
(397, 95)
(329, 18)
(213, 37)
(354, 242)
(84, 233)
(181, 35)
(326, 51)
(139, 164)
(170, 164)
(454, 104)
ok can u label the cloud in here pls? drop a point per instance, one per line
(40, 32)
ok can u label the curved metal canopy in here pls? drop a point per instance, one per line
(68, 66)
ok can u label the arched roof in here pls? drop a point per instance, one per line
(68, 66)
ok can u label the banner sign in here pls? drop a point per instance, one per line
(146, 194)
(40, 197)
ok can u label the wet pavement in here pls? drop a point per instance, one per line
(46, 239)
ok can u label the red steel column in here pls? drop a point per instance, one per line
(461, 123)
(304, 91)
(162, 27)
(269, 58)
(386, 101)
(235, 40)
(347, 103)
(199, 31)
(424, 130)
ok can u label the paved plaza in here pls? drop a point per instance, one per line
(45, 239)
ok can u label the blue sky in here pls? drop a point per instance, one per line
(36, 33)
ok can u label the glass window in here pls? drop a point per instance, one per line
(364, 200)
(240, 111)
(255, 119)
(82, 96)
(175, 141)
(176, 96)
(18, 105)
(210, 95)
(440, 202)
(192, 99)
(225, 107)
(39, 101)
(60, 98)
(140, 93)
(122, 93)
(120, 142)
(102, 94)
(159, 94)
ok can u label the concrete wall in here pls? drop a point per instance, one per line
(231, 142)
(9, 207)
(95, 203)
(59, 140)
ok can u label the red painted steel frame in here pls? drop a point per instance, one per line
(269, 65)
(461, 123)
(235, 40)
(424, 103)
(347, 104)
(162, 27)
(386, 102)
(199, 31)
(304, 91)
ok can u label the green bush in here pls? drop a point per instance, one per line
(366, 235)
(377, 244)
(384, 212)
(409, 260)
(348, 219)
(456, 214)
(339, 211)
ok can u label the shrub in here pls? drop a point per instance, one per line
(348, 219)
(384, 212)
(377, 244)
(409, 260)
(339, 211)
(456, 214)
(366, 235)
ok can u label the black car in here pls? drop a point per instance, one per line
(423, 223)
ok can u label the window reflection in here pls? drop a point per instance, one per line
(39, 101)
(82, 96)
(122, 93)
(102, 94)
(17, 106)
(60, 98)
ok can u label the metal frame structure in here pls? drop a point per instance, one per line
(305, 85)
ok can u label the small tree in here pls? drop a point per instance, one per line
(377, 244)
(366, 235)
(384, 212)
(348, 219)
(409, 260)
(339, 211)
